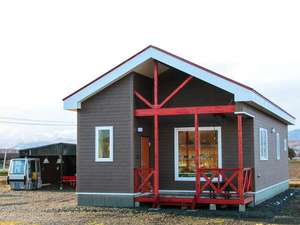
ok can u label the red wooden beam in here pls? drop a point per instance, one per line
(137, 94)
(186, 110)
(240, 155)
(155, 77)
(196, 155)
(223, 201)
(180, 200)
(182, 85)
(156, 157)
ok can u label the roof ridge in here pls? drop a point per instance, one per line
(187, 61)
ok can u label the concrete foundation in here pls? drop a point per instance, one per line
(212, 207)
(109, 200)
(269, 192)
(242, 208)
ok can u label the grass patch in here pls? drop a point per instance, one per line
(3, 173)
(3, 222)
(294, 183)
(294, 161)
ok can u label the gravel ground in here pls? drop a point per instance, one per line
(59, 207)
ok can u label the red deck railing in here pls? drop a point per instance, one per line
(248, 179)
(216, 186)
(225, 181)
(143, 180)
(219, 182)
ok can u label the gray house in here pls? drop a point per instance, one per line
(141, 124)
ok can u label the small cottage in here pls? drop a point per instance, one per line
(160, 129)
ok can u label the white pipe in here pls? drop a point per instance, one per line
(4, 161)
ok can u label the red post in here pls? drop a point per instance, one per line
(156, 157)
(196, 154)
(155, 78)
(156, 148)
(240, 156)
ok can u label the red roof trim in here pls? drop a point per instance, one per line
(187, 61)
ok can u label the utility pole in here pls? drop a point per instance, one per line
(4, 161)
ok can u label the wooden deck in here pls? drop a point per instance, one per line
(189, 199)
(221, 187)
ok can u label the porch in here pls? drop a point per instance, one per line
(212, 183)
(216, 186)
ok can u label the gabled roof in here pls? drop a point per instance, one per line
(241, 92)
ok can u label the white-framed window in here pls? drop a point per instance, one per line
(263, 143)
(277, 146)
(210, 151)
(285, 145)
(104, 144)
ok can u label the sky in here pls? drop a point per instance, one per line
(48, 49)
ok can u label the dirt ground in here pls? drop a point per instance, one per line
(294, 172)
(294, 169)
(59, 207)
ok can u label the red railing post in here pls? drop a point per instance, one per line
(251, 179)
(240, 156)
(142, 180)
(196, 154)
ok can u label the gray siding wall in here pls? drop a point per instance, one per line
(195, 93)
(271, 171)
(143, 85)
(111, 107)
(114, 107)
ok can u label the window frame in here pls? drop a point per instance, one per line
(176, 151)
(261, 155)
(12, 167)
(111, 141)
(277, 146)
(285, 143)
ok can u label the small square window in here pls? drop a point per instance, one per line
(104, 144)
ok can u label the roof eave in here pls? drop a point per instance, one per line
(242, 93)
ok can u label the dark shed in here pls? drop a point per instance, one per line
(51, 157)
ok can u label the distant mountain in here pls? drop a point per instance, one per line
(11, 153)
(294, 141)
(21, 137)
(8, 150)
(294, 135)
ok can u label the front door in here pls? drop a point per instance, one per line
(145, 162)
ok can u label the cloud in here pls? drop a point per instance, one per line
(21, 136)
